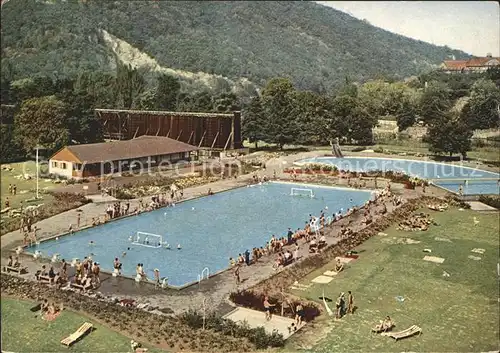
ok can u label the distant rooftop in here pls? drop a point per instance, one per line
(143, 146)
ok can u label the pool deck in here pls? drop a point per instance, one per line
(216, 289)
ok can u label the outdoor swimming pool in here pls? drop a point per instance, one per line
(454, 175)
(210, 229)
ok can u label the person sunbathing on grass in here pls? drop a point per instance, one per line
(338, 266)
(44, 306)
(384, 325)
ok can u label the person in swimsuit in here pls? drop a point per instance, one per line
(268, 307)
(64, 270)
(299, 315)
(237, 274)
(157, 277)
(338, 307)
(350, 303)
(117, 265)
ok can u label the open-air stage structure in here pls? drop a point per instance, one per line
(212, 131)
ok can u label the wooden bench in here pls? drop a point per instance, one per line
(405, 333)
(44, 278)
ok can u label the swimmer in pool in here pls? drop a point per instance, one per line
(91, 242)
(179, 247)
(167, 246)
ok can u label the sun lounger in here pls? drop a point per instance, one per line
(406, 333)
(68, 341)
(19, 270)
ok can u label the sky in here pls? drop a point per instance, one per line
(471, 26)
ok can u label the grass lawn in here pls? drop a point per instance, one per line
(459, 313)
(25, 331)
(26, 189)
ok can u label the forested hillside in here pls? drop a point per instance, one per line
(316, 46)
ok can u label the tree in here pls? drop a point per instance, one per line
(42, 121)
(351, 121)
(407, 112)
(32, 87)
(312, 112)
(100, 86)
(224, 102)
(5, 91)
(435, 102)
(449, 135)
(148, 100)
(481, 111)
(10, 151)
(278, 98)
(130, 84)
(493, 74)
(253, 124)
(167, 91)
(407, 115)
(83, 125)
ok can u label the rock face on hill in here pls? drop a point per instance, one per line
(318, 47)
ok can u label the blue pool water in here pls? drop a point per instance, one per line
(210, 229)
(422, 169)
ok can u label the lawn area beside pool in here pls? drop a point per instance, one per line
(26, 189)
(25, 331)
(456, 303)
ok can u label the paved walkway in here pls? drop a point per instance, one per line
(479, 206)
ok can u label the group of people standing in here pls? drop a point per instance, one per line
(343, 305)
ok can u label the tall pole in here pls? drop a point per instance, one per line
(37, 172)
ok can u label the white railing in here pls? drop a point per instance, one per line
(201, 277)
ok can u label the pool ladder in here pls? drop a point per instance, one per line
(201, 277)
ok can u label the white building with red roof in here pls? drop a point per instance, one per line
(474, 64)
